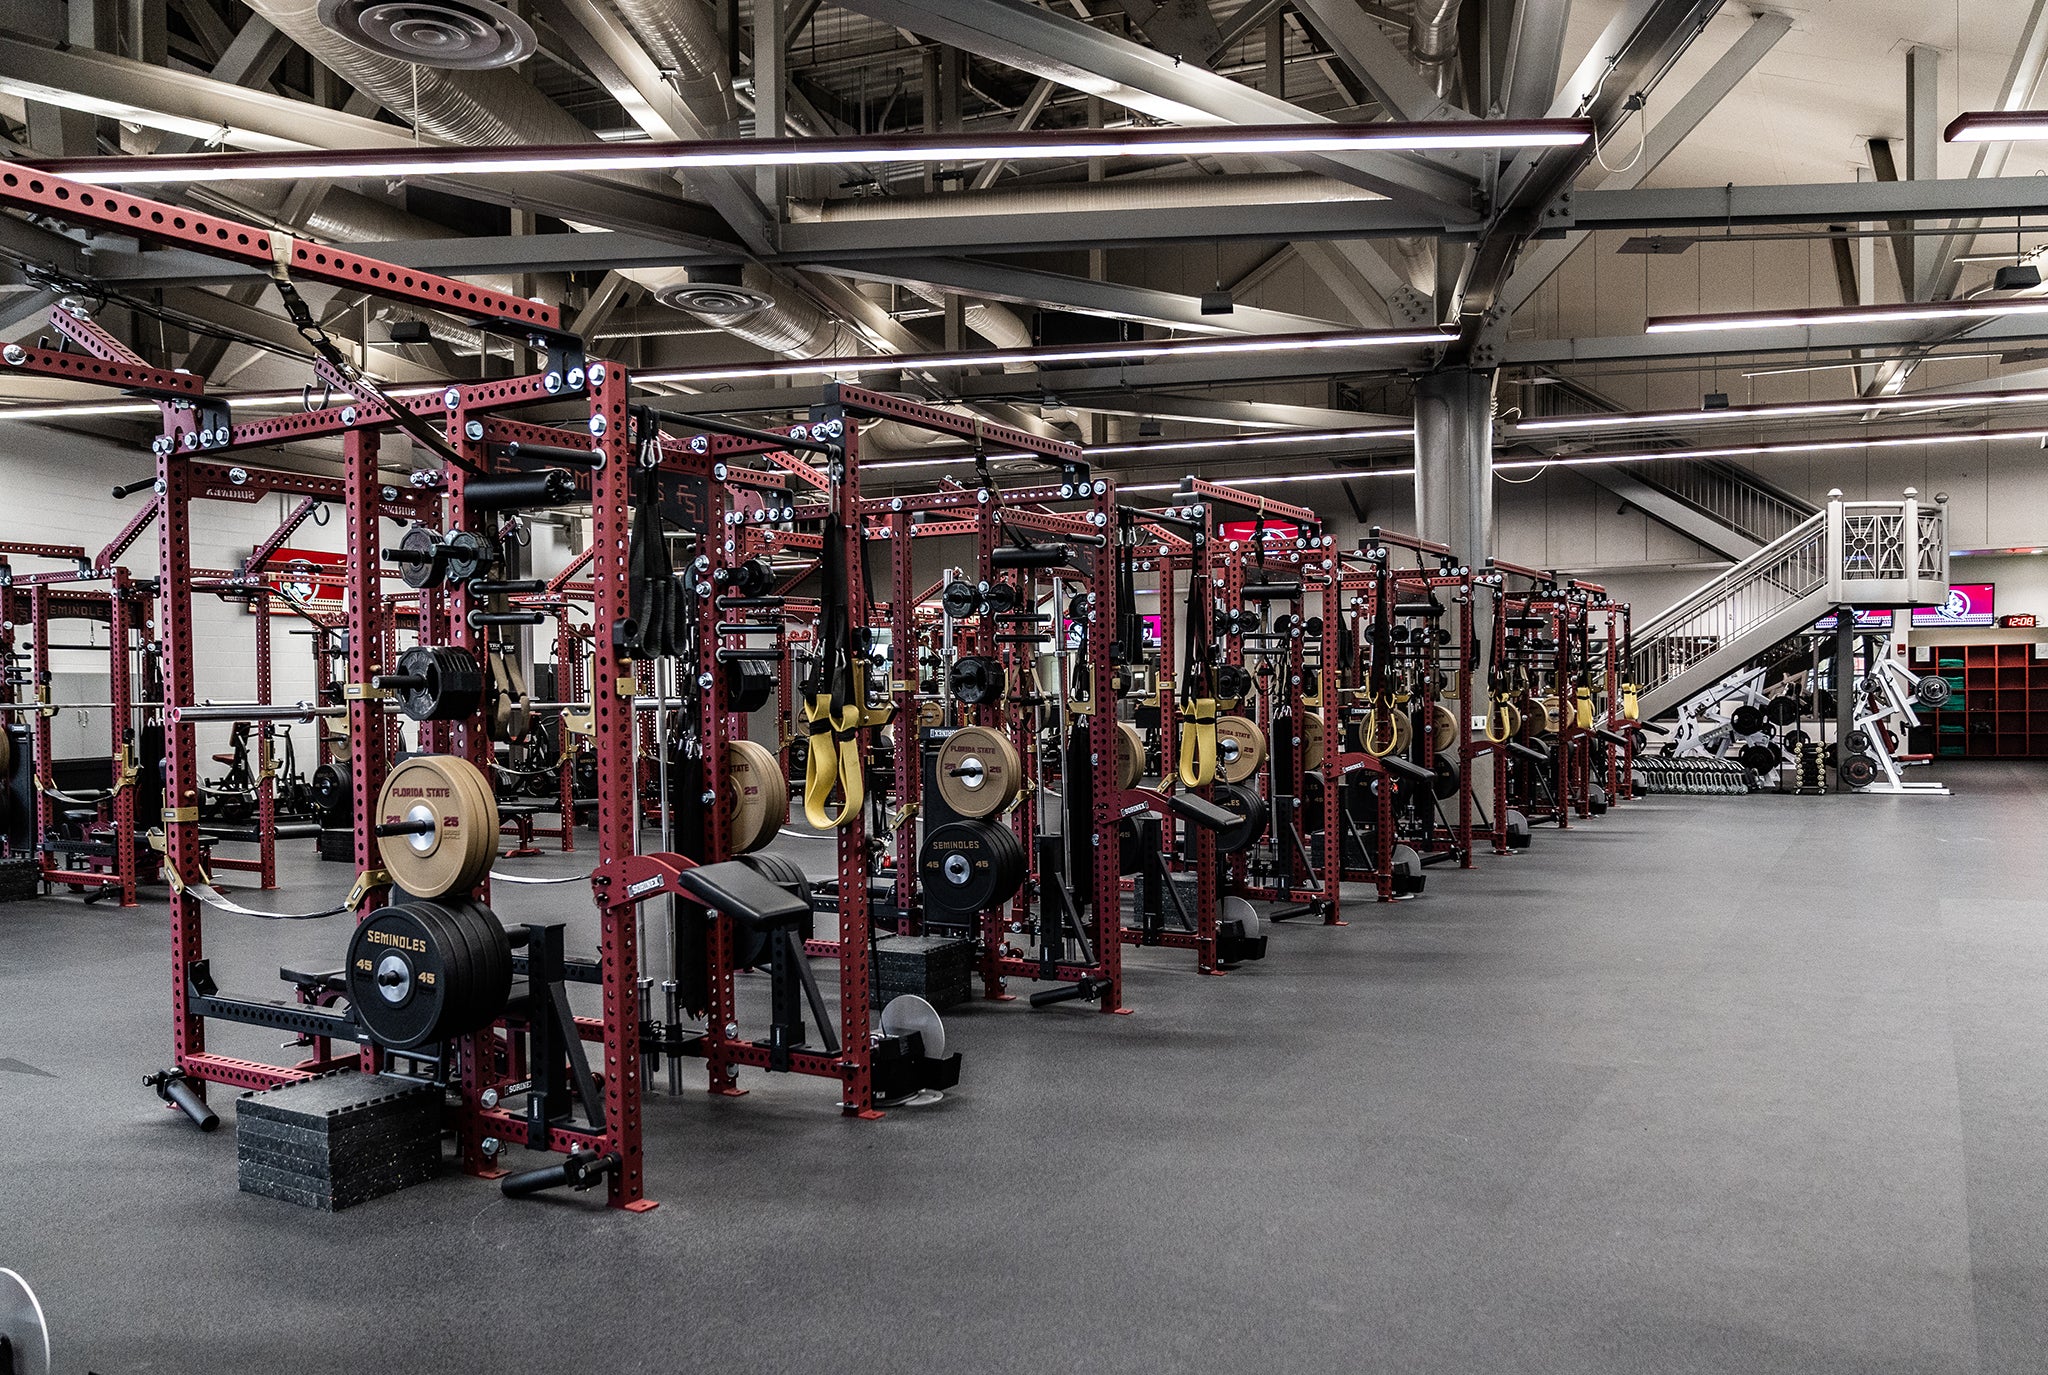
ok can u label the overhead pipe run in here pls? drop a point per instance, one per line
(500, 109)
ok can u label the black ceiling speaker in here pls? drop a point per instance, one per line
(2022, 277)
(467, 34)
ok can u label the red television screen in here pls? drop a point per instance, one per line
(1969, 603)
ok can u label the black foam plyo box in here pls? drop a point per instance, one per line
(20, 877)
(338, 1140)
(938, 969)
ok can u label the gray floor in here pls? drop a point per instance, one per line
(1751, 1084)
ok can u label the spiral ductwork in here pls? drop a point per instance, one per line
(500, 109)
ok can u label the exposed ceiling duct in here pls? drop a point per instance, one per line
(473, 35)
(501, 109)
(1054, 198)
(1000, 325)
(1433, 43)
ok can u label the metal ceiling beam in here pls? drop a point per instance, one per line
(601, 41)
(1019, 34)
(1368, 54)
(1541, 261)
(1535, 56)
(1258, 415)
(1184, 28)
(1027, 287)
(173, 95)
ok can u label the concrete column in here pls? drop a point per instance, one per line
(1454, 461)
(1454, 504)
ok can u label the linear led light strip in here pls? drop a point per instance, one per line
(1137, 350)
(1264, 139)
(1803, 446)
(1997, 126)
(1173, 446)
(64, 410)
(1849, 315)
(1791, 410)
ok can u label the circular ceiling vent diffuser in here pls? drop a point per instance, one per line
(721, 300)
(469, 34)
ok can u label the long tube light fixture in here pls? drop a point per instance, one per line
(679, 154)
(1334, 438)
(1997, 126)
(1906, 312)
(1787, 410)
(1799, 446)
(1137, 350)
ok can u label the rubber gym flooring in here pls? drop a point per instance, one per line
(1718, 1084)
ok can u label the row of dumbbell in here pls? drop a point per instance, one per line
(1693, 774)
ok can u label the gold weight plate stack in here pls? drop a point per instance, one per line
(1130, 755)
(979, 771)
(1404, 733)
(1240, 748)
(457, 854)
(757, 795)
(1537, 717)
(1314, 738)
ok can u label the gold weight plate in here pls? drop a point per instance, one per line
(1314, 739)
(458, 852)
(979, 771)
(1537, 718)
(1130, 755)
(1240, 748)
(1446, 728)
(1404, 732)
(757, 795)
(483, 839)
(931, 713)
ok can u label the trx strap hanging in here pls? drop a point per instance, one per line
(346, 374)
(1198, 689)
(833, 700)
(1381, 716)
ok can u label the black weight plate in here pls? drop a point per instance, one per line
(420, 540)
(749, 684)
(1859, 770)
(407, 942)
(1932, 691)
(1796, 740)
(1002, 596)
(1760, 758)
(1446, 781)
(754, 578)
(1249, 809)
(1232, 682)
(1747, 720)
(471, 555)
(1785, 710)
(967, 867)
(1859, 742)
(960, 600)
(977, 679)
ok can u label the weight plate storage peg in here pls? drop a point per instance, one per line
(757, 795)
(449, 800)
(979, 771)
(1240, 748)
(421, 972)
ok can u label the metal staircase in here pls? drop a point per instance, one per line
(1858, 553)
(1724, 507)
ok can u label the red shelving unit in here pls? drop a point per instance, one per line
(2003, 706)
